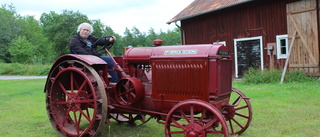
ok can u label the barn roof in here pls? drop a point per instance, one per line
(199, 7)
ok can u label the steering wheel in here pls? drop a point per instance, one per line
(97, 51)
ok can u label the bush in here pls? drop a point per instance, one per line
(23, 69)
(257, 76)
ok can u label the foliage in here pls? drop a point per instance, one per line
(27, 40)
(31, 46)
(21, 50)
(9, 30)
(23, 69)
(59, 28)
(257, 76)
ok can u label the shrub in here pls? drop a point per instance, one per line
(257, 76)
(23, 69)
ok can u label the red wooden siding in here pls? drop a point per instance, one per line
(266, 18)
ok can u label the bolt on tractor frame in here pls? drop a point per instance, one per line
(186, 88)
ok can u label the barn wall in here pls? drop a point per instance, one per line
(266, 18)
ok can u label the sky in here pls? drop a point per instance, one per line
(118, 14)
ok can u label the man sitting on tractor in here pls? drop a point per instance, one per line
(85, 44)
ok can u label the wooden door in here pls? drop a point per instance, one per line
(302, 19)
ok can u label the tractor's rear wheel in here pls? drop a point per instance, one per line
(76, 101)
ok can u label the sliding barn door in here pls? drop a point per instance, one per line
(303, 21)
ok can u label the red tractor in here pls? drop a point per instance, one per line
(186, 88)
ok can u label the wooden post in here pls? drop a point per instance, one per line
(288, 58)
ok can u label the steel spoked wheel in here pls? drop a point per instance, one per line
(195, 118)
(238, 112)
(76, 101)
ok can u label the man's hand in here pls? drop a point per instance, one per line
(112, 39)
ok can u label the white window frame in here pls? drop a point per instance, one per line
(278, 38)
(236, 54)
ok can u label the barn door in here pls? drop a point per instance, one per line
(248, 53)
(302, 19)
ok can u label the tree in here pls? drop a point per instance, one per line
(59, 28)
(21, 50)
(171, 37)
(128, 38)
(139, 38)
(151, 36)
(98, 28)
(31, 46)
(117, 49)
(9, 29)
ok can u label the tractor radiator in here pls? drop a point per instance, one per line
(180, 79)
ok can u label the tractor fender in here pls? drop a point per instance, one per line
(88, 59)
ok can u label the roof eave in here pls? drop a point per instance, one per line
(169, 22)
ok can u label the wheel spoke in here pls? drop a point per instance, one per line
(71, 81)
(176, 124)
(86, 101)
(247, 117)
(184, 115)
(77, 122)
(60, 103)
(202, 116)
(231, 126)
(126, 88)
(82, 86)
(243, 107)
(191, 113)
(237, 100)
(210, 123)
(62, 87)
(124, 93)
(85, 115)
(66, 117)
(88, 114)
(235, 121)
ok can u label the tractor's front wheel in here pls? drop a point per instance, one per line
(195, 118)
(76, 100)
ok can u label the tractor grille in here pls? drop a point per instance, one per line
(180, 80)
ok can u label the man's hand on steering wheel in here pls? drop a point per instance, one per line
(107, 45)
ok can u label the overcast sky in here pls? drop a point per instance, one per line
(117, 14)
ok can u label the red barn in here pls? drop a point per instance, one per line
(259, 33)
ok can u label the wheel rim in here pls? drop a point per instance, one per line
(195, 118)
(238, 113)
(76, 102)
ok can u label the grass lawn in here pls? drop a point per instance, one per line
(279, 110)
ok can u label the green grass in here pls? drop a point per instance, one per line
(279, 110)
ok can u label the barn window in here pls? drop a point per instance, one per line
(282, 46)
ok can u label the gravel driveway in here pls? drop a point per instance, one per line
(22, 77)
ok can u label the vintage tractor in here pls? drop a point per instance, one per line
(187, 88)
